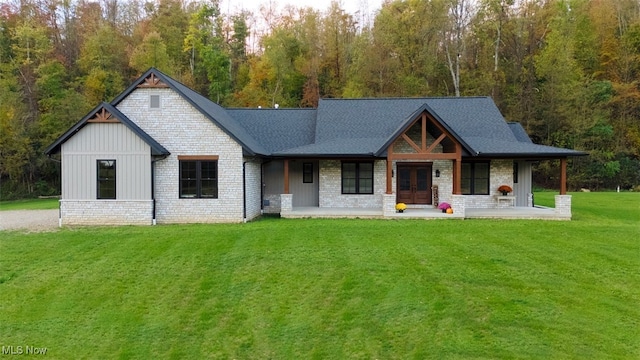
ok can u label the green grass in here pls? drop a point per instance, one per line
(29, 204)
(332, 289)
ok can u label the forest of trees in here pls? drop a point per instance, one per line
(568, 70)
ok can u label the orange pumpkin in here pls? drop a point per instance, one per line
(449, 211)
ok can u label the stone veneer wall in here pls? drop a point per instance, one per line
(183, 130)
(274, 204)
(331, 186)
(106, 212)
(253, 184)
(501, 173)
(445, 181)
(286, 203)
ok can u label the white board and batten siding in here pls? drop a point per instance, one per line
(304, 194)
(522, 185)
(106, 141)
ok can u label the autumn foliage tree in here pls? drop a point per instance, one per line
(568, 70)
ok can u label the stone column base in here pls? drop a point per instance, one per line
(286, 204)
(388, 204)
(563, 206)
(458, 205)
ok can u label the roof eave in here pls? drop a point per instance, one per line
(532, 155)
(325, 156)
(55, 146)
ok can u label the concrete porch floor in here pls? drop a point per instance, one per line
(430, 213)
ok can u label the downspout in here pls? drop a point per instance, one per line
(153, 188)
(262, 187)
(244, 191)
(153, 195)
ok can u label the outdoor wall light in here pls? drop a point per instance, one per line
(437, 172)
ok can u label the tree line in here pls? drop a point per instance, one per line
(568, 70)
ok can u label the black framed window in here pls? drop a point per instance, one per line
(106, 176)
(475, 178)
(357, 177)
(307, 173)
(199, 179)
(515, 172)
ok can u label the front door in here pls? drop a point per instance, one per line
(414, 183)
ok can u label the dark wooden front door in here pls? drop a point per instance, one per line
(414, 183)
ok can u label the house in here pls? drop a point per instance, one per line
(160, 152)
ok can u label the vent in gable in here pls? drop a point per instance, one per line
(154, 101)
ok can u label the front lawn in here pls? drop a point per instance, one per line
(332, 289)
(30, 204)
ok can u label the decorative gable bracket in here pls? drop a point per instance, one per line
(103, 116)
(425, 150)
(152, 81)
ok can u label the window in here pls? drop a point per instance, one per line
(106, 179)
(199, 178)
(154, 101)
(515, 172)
(357, 177)
(475, 178)
(307, 173)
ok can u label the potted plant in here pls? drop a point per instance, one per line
(444, 206)
(505, 189)
(401, 207)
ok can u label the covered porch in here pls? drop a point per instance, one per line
(536, 212)
(420, 165)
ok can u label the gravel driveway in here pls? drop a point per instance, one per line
(31, 220)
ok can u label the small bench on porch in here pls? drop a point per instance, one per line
(505, 201)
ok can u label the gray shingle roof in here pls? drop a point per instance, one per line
(352, 127)
(278, 130)
(502, 148)
(519, 132)
(339, 147)
(366, 127)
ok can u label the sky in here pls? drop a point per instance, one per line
(350, 6)
(370, 7)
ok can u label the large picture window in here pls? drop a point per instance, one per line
(357, 177)
(475, 178)
(199, 178)
(106, 179)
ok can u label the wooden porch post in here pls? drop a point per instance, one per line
(457, 176)
(286, 176)
(563, 176)
(389, 174)
(390, 150)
